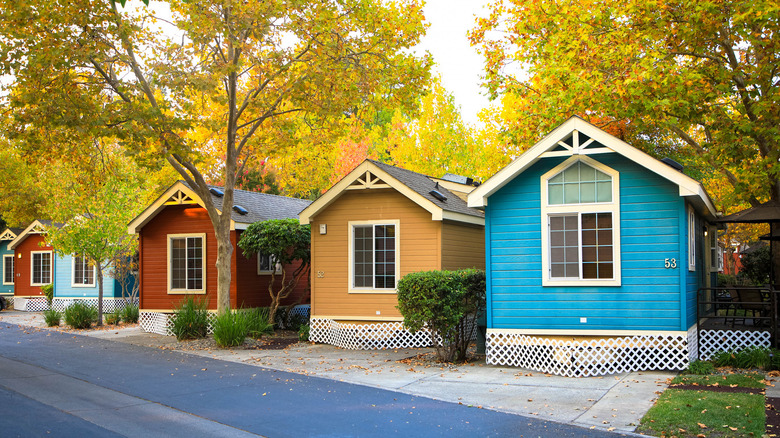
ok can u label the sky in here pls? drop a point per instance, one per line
(458, 63)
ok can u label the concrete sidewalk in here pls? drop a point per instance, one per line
(615, 402)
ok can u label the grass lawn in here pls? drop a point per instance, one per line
(748, 380)
(686, 413)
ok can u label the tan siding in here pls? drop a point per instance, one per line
(463, 246)
(419, 245)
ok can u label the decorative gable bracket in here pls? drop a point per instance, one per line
(581, 145)
(368, 181)
(180, 198)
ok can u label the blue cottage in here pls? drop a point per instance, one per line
(595, 252)
(7, 255)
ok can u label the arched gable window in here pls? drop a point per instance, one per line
(580, 224)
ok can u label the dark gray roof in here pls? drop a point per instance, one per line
(261, 206)
(423, 184)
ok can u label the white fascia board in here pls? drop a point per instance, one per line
(333, 193)
(151, 211)
(23, 235)
(460, 217)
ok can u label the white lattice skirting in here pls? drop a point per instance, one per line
(592, 357)
(377, 336)
(693, 343)
(60, 304)
(713, 341)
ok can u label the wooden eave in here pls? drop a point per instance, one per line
(36, 227)
(8, 235)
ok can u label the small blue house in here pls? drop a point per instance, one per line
(595, 252)
(7, 255)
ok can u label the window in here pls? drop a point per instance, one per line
(41, 268)
(83, 272)
(580, 236)
(186, 259)
(266, 264)
(691, 240)
(374, 256)
(715, 261)
(8, 269)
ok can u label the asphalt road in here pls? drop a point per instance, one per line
(62, 384)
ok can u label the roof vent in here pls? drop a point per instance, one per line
(240, 210)
(458, 179)
(437, 194)
(217, 192)
(673, 164)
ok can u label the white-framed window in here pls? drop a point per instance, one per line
(580, 224)
(374, 256)
(8, 269)
(40, 268)
(186, 263)
(715, 263)
(691, 239)
(266, 264)
(83, 272)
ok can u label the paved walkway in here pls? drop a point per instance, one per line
(610, 403)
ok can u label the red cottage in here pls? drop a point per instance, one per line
(178, 252)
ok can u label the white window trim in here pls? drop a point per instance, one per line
(350, 259)
(32, 267)
(73, 274)
(277, 268)
(548, 210)
(171, 290)
(691, 239)
(713, 249)
(9, 256)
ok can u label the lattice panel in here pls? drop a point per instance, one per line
(693, 343)
(33, 304)
(153, 322)
(588, 357)
(110, 305)
(713, 341)
(161, 323)
(377, 336)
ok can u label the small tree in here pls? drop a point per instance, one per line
(286, 241)
(447, 303)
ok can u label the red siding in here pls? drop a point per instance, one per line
(23, 268)
(248, 289)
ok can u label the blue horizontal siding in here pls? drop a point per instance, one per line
(649, 297)
(63, 282)
(4, 289)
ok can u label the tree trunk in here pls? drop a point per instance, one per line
(100, 293)
(224, 256)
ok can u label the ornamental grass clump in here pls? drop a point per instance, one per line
(129, 314)
(231, 329)
(190, 319)
(113, 318)
(80, 315)
(257, 322)
(52, 318)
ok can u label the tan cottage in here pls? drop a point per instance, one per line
(374, 226)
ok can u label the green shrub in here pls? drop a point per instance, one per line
(445, 302)
(113, 317)
(303, 332)
(80, 315)
(751, 357)
(48, 292)
(129, 314)
(700, 367)
(52, 318)
(230, 329)
(190, 319)
(257, 322)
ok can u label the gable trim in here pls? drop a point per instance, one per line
(358, 174)
(177, 194)
(687, 185)
(36, 227)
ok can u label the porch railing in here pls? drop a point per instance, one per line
(739, 308)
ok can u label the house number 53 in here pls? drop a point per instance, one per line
(670, 263)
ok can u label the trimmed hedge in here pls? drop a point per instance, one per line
(448, 303)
